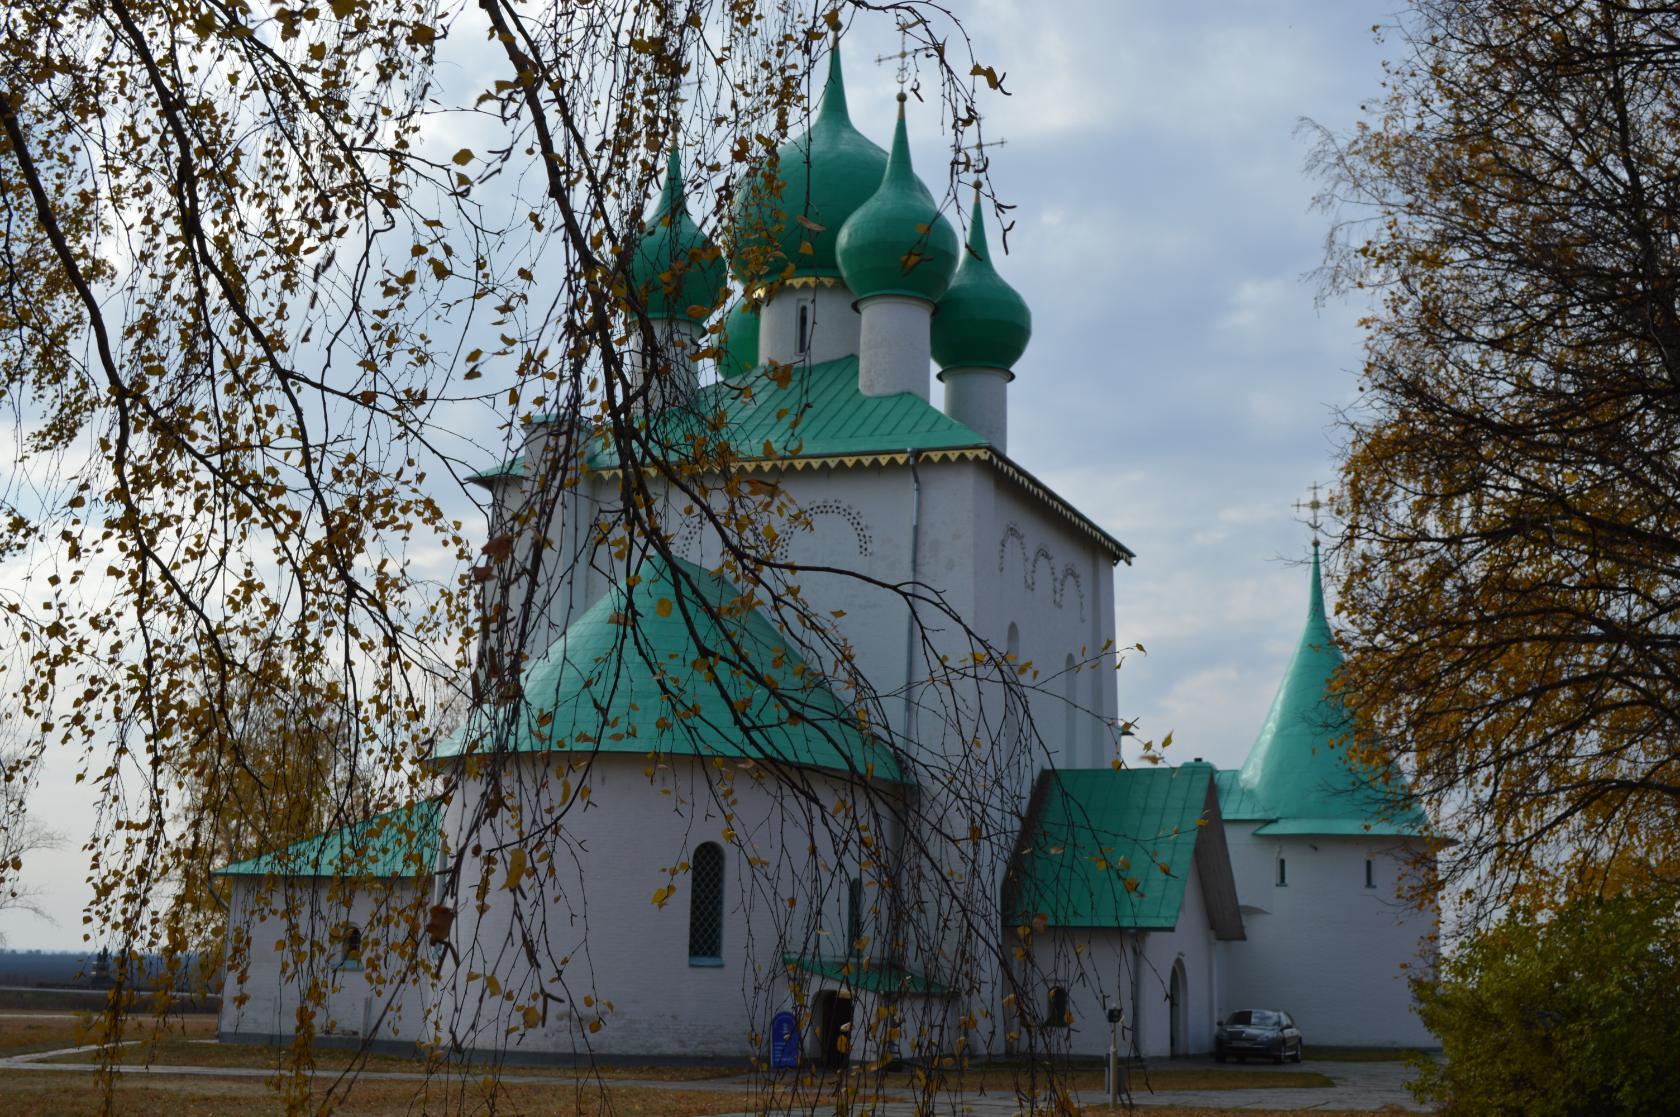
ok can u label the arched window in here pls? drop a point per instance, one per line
(1056, 1008)
(705, 907)
(350, 957)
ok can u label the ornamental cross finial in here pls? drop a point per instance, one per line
(979, 162)
(904, 53)
(1311, 509)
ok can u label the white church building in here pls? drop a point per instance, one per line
(634, 854)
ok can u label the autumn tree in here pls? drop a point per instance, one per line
(261, 316)
(1510, 491)
(21, 836)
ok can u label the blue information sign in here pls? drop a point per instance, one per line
(784, 1041)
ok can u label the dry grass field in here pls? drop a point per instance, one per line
(619, 1091)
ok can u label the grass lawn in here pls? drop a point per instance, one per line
(22, 1033)
(178, 1050)
(42, 1094)
(1010, 1079)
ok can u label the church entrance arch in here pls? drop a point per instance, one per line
(831, 1015)
(1177, 1033)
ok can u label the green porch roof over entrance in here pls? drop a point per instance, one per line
(682, 663)
(1298, 775)
(399, 843)
(867, 975)
(1113, 848)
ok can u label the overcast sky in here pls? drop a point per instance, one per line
(1181, 385)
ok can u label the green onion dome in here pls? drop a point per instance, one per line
(898, 243)
(740, 339)
(676, 269)
(981, 322)
(824, 175)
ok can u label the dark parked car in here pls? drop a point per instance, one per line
(1260, 1032)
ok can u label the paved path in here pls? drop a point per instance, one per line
(1358, 1086)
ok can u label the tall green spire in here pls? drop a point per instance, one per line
(898, 243)
(1299, 768)
(982, 322)
(822, 176)
(677, 270)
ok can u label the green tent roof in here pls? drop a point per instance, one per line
(399, 843)
(675, 665)
(1299, 774)
(1110, 847)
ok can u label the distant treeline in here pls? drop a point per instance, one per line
(65, 968)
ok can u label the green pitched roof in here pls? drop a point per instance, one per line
(1299, 773)
(820, 413)
(670, 666)
(399, 843)
(1110, 847)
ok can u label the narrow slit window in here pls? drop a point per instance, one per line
(804, 339)
(705, 907)
(1370, 873)
(854, 915)
(1283, 872)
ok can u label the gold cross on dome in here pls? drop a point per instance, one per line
(1311, 508)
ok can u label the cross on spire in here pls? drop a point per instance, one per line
(904, 54)
(1311, 509)
(979, 161)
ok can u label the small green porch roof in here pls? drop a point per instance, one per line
(678, 661)
(867, 975)
(1299, 776)
(398, 843)
(1112, 848)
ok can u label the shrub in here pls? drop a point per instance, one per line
(1578, 1015)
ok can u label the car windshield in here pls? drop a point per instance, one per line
(1254, 1018)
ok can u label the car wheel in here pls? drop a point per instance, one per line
(1297, 1052)
(1278, 1058)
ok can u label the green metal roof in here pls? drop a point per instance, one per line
(898, 243)
(820, 413)
(1299, 772)
(981, 322)
(670, 666)
(821, 177)
(399, 843)
(1110, 847)
(869, 976)
(507, 471)
(1236, 802)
